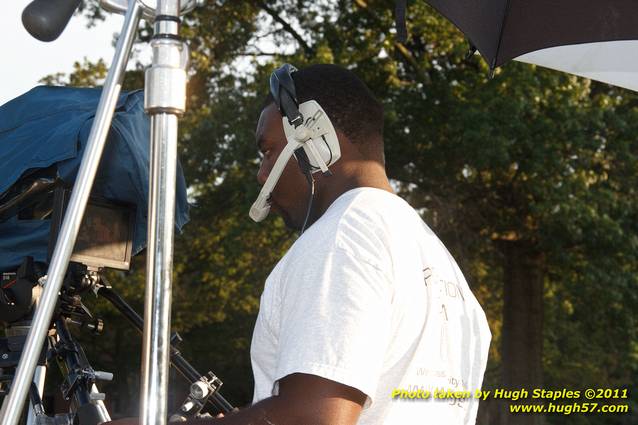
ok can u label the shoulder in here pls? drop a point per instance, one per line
(364, 223)
(375, 215)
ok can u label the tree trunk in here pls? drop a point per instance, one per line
(522, 333)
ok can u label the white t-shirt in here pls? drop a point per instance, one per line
(369, 297)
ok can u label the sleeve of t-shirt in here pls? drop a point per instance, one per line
(335, 320)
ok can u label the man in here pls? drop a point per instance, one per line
(367, 301)
(367, 304)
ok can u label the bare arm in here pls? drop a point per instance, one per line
(303, 400)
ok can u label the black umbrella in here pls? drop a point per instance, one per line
(595, 39)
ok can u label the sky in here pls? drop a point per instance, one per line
(25, 60)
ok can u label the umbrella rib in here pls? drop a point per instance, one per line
(500, 37)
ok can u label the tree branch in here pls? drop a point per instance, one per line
(422, 75)
(287, 27)
(249, 53)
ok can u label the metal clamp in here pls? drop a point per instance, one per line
(200, 392)
(148, 7)
(161, 92)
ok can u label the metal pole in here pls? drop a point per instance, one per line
(164, 100)
(157, 308)
(12, 406)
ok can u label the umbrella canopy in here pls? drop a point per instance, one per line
(614, 62)
(587, 38)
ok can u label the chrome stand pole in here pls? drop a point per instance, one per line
(13, 403)
(164, 100)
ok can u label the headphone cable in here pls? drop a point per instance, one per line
(311, 184)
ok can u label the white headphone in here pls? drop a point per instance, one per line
(310, 134)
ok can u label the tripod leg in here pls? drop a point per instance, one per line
(100, 405)
(38, 382)
(79, 375)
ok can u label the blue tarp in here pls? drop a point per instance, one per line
(51, 125)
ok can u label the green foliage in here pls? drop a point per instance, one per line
(85, 74)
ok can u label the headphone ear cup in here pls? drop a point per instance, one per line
(324, 135)
(325, 151)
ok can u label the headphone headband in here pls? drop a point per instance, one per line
(282, 88)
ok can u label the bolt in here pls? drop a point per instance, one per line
(5, 356)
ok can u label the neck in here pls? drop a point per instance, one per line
(345, 178)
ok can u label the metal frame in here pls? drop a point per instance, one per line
(165, 87)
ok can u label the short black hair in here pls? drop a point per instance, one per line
(349, 103)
